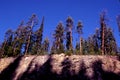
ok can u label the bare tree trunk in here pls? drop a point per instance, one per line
(81, 45)
(71, 47)
(103, 38)
(59, 44)
(102, 22)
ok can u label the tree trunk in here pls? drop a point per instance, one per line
(29, 38)
(71, 47)
(81, 45)
(14, 48)
(103, 36)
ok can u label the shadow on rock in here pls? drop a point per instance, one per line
(100, 74)
(66, 74)
(44, 72)
(40, 72)
(9, 72)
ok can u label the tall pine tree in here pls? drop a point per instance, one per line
(45, 46)
(69, 37)
(31, 23)
(59, 38)
(7, 44)
(80, 32)
(38, 35)
(18, 40)
(102, 27)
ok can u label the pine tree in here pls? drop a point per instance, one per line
(31, 23)
(7, 44)
(77, 48)
(110, 46)
(45, 46)
(59, 38)
(93, 44)
(90, 45)
(103, 26)
(110, 42)
(96, 41)
(80, 32)
(53, 48)
(38, 39)
(18, 39)
(85, 47)
(69, 28)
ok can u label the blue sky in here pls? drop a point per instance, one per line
(12, 12)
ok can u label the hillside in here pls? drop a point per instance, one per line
(60, 67)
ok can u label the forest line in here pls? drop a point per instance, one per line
(24, 40)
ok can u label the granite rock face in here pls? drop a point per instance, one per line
(60, 67)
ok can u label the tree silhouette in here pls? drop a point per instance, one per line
(31, 23)
(69, 39)
(29, 40)
(38, 35)
(7, 44)
(80, 32)
(102, 27)
(45, 45)
(59, 38)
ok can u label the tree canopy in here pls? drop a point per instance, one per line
(25, 40)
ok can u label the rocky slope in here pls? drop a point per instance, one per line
(60, 67)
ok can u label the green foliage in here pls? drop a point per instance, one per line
(29, 33)
(69, 37)
(110, 42)
(45, 46)
(58, 39)
(80, 32)
(94, 42)
(37, 39)
(79, 28)
(53, 49)
(69, 52)
(77, 47)
(27, 40)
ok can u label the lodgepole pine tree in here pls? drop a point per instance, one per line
(59, 38)
(18, 39)
(38, 38)
(45, 46)
(69, 28)
(102, 27)
(96, 41)
(110, 42)
(7, 44)
(90, 45)
(80, 32)
(31, 23)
